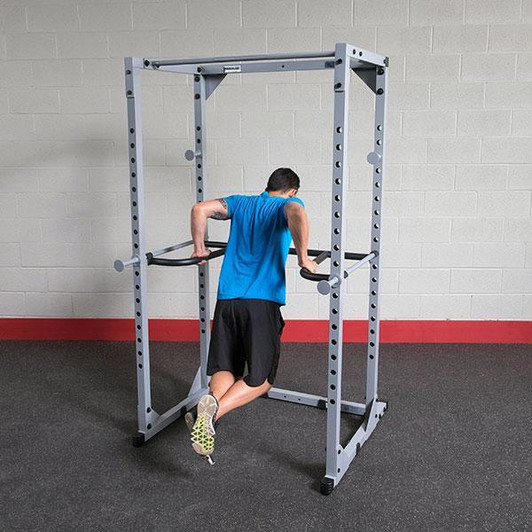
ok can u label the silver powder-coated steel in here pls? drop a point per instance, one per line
(239, 59)
(207, 74)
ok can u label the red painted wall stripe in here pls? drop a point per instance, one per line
(391, 331)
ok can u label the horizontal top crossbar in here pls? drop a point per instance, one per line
(241, 59)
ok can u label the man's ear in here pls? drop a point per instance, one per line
(292, 192)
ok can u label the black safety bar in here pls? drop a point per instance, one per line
(320, 255)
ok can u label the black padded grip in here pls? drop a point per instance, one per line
(316, 276)
(190, 261)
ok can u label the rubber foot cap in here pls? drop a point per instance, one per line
(138, 439)
(326, 486)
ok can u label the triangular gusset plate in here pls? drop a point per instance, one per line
(211, 82)
(368, 76)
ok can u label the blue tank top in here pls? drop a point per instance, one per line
(257, 248)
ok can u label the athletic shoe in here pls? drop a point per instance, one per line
(202, 435)
(190, 419)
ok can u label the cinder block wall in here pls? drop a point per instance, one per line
(456, 201)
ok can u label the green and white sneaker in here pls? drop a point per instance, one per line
(190, 419)
(202, 433)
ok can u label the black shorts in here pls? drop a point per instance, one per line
(246, 331)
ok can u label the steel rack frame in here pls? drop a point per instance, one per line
(207, 74)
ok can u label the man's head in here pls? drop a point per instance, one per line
(283, 182)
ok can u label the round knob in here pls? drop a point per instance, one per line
(324, 287)
(119, 265)
(189, 155)
(374, 158)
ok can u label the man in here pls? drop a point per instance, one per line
(248, 323)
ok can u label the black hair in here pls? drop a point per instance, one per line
(282, 179)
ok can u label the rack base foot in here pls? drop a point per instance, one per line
(326, 486)
(138, 439)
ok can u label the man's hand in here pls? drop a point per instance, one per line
(201, 253)
(309, 265)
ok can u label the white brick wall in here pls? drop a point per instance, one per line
(457, 225)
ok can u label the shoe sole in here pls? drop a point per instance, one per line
(202, 433)
(190, 420)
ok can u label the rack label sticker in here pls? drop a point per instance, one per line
(232, 68)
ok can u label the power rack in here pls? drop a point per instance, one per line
(208, 73)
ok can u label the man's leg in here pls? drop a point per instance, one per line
(240, 394)
(220, 382)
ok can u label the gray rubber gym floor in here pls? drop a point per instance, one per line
(451, 453)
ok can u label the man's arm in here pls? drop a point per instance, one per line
(200, 213)
(299, 229)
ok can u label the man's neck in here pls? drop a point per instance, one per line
(278, 194)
